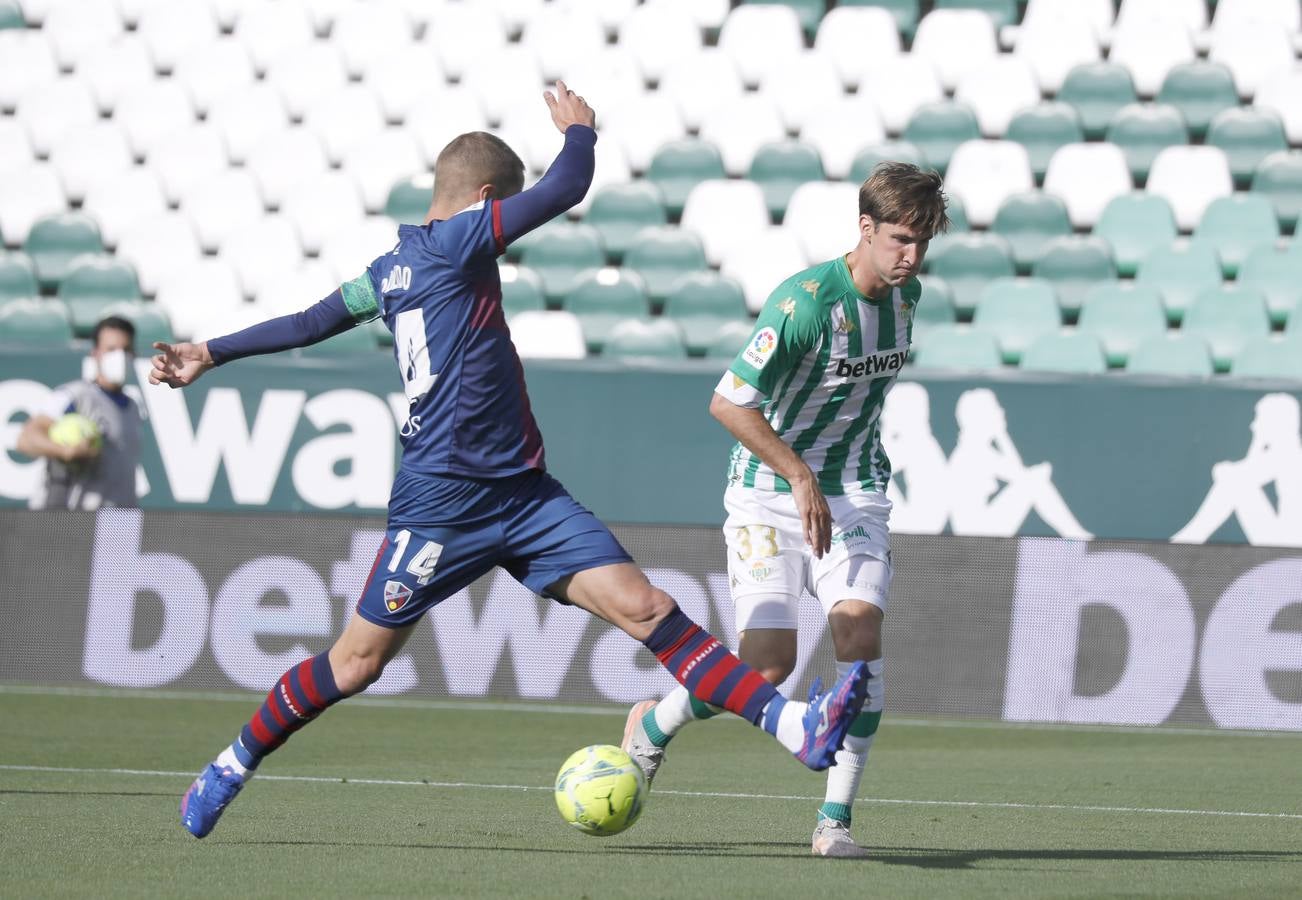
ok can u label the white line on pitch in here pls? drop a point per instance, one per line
(725, 795)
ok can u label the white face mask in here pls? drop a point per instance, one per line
(111, 366)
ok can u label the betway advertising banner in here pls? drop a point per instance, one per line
(1020, 629)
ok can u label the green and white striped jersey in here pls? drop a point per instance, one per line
(824, 356)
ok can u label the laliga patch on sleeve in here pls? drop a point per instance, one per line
(760, 348)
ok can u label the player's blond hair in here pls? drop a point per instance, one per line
(473, 160)
(903, 194)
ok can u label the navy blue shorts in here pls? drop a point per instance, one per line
(445, 531)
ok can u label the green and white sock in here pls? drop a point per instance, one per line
(666, 718)
(843, 779)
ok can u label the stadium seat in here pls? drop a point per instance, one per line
(1134, 225)
(608, 76)
(791, 86)
(561, 254)
(409, 199)
(956, 347)
(725, 212)
(1247, 136)
(704, 303)
(1016, 311)
(996, 90)
(1053, 45)
(938, 128)
(365, 34)
(763, 261)
(210, 71)
(87, 156)
(304, 74)
(175, 31)
(11, 16)
(74, 29)
(405, 79)
(17, 277)
(1073, 265)
(1227, 316)
(969, 262)
(15, 149)
(900, 89)
(177, 162)
(497, 81)
(809, 12)
(336, 227)
(262, 252)
(620, 211)
(645, 339)
(1277, 273)
(273, 31)
(655, 35)
(245, 116)
(1175, 354)
(642, 125)
(157, 245)
(1001, 12)
(31, 192)
(1086, 177)
(1284, 14)
(905, 12)
(55, 241)
(602, 298)
(824, 217)
(112, 70)
(433, 126)
(196, 294)
(700, 83)
(729, 340)
(291, 289)
(1098, 91)
(1095, 16)
(1189, 15)
(359, 340)
(1190, 178)
(31, 323)
(1142, 130)
(1122, 316)
(521, 289)
(447, 40)
(151, 323)
(779, 169)
(1252, 50)
(1042, 129)
(839, 129)
(283, 160)
(1269, 357)
(217, 321)
(26, 61)
(756, 37)
(740, 127)
(342, 118)
(1149, 48)
(869, 157)
(221, 205)
(1028, 221)
(150, 114)
(1279, 177)
(935, 306)
(50, 109)
(92, 284)
(558, 35)
(983, 174)
(663, 255)
(1067, 352)
(680, 166)
(954, 41)
(1199, 90)
(1282, 94)
(855, 38)
(1181, 274)
(1234, 225)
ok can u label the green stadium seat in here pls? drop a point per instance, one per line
(1017, 311)
(935, 305)
(1003, 12)
(1279, 177)
(1172, 354)
(560, 254)
(702, 303)
(729, 340)
(1069, 352)
(892, 151)
(1199, 90)
(1233, 226)
(151, 323)
(809, 12)
(1096, 91)
(1269, 357)
(646, 338)
(956, 347)
(1142, 130)
(1122, 315)
(55, 241)
(679, 166)
(17, 277)
(1277, 273)
(906, 12)
(781, 168)
(521, 290)
(1073, 265)
(1181, 274)
(958, 225)
(1042, 129)
(662, 256)
(969, 263)
(1227, 316)
(92, 283)
(11, 16)
(34, 323)
(1247, 136)
(937, 129)
(409, 199)
(620, 211)
(1029, 221)
(603, 298)
(1134, 225)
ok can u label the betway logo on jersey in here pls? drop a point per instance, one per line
(875, 365)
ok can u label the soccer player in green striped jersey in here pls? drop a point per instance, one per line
(806, 495)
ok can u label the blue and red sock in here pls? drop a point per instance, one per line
(301, 694)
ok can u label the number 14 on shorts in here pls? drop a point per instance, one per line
(422, 563)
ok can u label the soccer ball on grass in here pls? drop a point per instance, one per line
(600, 790)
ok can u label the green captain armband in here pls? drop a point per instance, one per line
(360, 298)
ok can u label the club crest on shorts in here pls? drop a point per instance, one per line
(396, 595)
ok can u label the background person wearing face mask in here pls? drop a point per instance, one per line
(84, 476)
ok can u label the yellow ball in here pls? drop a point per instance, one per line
(600, 790)
(73, 428)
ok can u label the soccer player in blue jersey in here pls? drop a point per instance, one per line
(471, 491)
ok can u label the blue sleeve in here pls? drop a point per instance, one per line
(352, 304)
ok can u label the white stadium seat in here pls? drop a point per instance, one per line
(764, 260)
(1190, 178)
(1252, 51)
(997, 90)
(228, 12)
(528, 128)
(15, 146)
(1098, 15)
(498, 80)
(1282, 93)
(403, 77)
(195, 292)
(35, 11)
(51, 109)
(1191, 14)
(612, 14)
(1286, 15)
(700, 82)
(367, 34)
(955, 40)
(296, 287)
(840, 128)
(343, 118)
(612, 167)
(75, 27)
(321, 205)
(220, 205)
(432, 126)
(174, 31)
(210, 72)
(157, 246)
(558, 36)
(706, 13)
(447, 35)
(1086, 177)
(303, 74)
(186, 156)
(795, 84)
(83, 157)
(724, 212)
(656, 35)
(824, 216)
(348, 250)
(606, 78)
(26, 61)
(29, 192)
(515, 14)
(1149, 48)
(246, 116)
(900, 88)
(270, 31)
(740, 127)
(1053, 46)
(218, 321)
(260, 253)
(539, 334)
(111, 70)
(983, 174)
(151, 113)
(376, 163)
(117, 204)
(642, 125)
(282, 160)
(856, 39)
(759, 38)
(323, 14)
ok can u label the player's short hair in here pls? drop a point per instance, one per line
(475, 159)
(903, 194)
(116, 323)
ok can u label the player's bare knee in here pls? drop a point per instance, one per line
(355, 673)
(645, 609)
(776, 674)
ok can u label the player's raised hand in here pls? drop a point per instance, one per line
(568, 108)
(177, 365)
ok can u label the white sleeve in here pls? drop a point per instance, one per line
(738, 392)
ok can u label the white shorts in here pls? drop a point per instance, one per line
(770, 565)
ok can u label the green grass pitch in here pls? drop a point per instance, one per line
(447, 800)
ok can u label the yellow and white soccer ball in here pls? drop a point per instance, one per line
(600, 790)
(72, 428)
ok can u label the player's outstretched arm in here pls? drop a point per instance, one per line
(177, 365)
